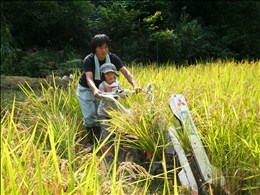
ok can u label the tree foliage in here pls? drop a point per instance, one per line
(141, 31)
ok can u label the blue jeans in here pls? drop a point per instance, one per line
(89, 105)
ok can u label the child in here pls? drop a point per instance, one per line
(109, 84)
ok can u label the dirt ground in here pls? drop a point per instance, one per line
(13, 82)
(10, 87)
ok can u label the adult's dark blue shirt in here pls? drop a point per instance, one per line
(89, 66)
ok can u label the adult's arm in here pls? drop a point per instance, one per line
(91, 84)
(130, 78)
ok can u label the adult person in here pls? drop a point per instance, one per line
(88, 93)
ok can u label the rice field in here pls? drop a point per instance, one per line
(41, 152)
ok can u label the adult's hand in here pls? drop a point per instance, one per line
(137, 89)
(97, 93)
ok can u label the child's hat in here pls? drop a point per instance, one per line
(108, 67)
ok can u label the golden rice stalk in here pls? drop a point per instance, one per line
(132, 169)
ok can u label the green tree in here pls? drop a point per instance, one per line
(49, 24)
(235, 24)
(8, 45)
(141, 31)
(43, 28)
(121, 24)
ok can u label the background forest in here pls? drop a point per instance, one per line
(39, 37)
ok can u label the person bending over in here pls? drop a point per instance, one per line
(88, 93)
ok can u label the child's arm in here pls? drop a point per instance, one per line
(101, 87)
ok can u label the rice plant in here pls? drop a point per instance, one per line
(40, 153)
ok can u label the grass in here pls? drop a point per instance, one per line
(41, 155)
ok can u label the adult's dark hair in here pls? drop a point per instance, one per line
(99, 40)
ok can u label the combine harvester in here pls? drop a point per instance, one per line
(198, 175)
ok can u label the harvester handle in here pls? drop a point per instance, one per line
(111, 97)
(125, 92)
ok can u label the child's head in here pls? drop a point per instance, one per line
(108, 72)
